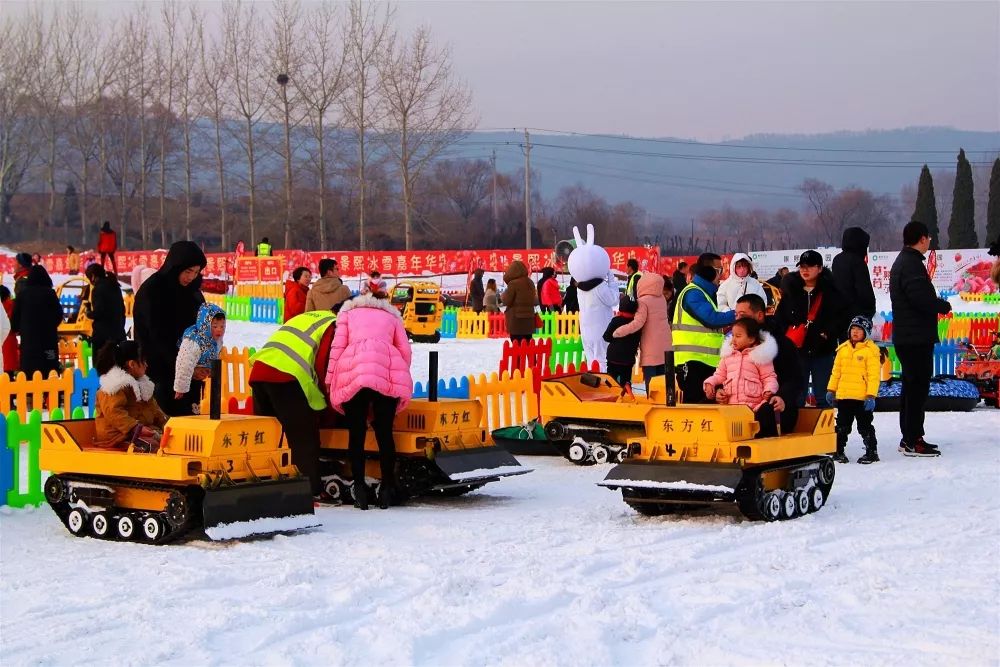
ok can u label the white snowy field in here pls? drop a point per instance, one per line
(545, 569)
(902, 567)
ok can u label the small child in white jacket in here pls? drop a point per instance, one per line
(200, 344)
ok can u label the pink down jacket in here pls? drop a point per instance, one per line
(370, 350)
(746, 375)
(652, 318)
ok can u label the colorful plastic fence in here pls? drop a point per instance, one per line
(249, 309)
(20, 440)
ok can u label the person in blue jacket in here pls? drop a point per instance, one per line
(697, 328)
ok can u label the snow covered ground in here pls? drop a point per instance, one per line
(543, 569)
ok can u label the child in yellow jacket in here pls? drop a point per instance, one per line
(854, 386)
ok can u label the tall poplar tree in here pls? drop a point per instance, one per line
(962, 228)
(926, 209)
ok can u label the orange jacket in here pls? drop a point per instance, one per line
(123, 403)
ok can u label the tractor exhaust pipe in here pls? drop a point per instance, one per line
(215, 388)
(671, 387)
(432, 377)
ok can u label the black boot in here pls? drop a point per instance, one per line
(360, 494)
(871, 451)
(840, 456)
(386, 493)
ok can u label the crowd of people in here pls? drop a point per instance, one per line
(345, 355)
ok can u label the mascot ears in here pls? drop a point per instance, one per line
(590, 236)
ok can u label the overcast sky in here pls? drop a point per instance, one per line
(709, 70)
(712, 70)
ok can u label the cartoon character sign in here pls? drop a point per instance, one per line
(597, 288)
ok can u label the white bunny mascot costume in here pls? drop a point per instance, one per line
(597, 289)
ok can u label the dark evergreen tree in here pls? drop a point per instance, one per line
(993, 207)
(926, 208)
(962, 228)
(71, 208)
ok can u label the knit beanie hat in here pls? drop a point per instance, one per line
(863, 323)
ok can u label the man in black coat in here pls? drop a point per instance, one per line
(37, 316)
(787, 366)
(477, 291)
(166, 305)
(107, 308)
(915, 310)
(812, 290)
(850, 274)
(680, 277)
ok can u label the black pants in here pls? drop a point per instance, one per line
(917, 362)
(789, 416)
(288, 404)
(768, 421)
(383, 412)
(517, 337)
(849, 410)
(691, 377)
(114, 266)
(622, 373)
(177, 407)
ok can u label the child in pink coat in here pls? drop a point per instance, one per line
(746, 373)
(651, 319)
(369, 371)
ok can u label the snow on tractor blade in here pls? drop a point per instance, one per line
(480, 464)
(262, 507)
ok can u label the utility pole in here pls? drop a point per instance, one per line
(527, 190)
(493, 221)
(283, 82)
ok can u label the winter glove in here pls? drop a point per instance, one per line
(870, 404)
(831, 398)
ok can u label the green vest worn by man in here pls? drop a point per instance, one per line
(293, 348)
(263, 249)
(631, 286)
(693, 341)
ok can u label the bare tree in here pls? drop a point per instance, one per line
(212, 70)
(189, 97)
(366, 36)
(142, 49)
(427, 109)
(168, 50)
(286, 54)
(321, 83)
(48, 84)
(18, 148)
(247, 86)
(465, 184)
(820, 195)
(92, 67)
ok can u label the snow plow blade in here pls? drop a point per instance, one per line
(478, 465)
(674, 482)
(258, 508)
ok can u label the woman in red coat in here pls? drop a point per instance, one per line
(296, 291)
(548, 291)
(107, 245)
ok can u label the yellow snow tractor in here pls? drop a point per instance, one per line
(697, 455)
(74, 297)
(422, 310)
(441, 449)
(590, 418)
(228, 474)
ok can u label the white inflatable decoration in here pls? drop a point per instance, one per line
(597, 288)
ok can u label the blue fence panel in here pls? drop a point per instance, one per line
(6, 465)
(84, 390)
(449, 324)
(264, 310)
(452, 388)
(70, 305)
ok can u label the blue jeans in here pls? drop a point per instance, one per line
(820, 369)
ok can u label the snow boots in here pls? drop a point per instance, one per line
(871, 451)
(840, 456)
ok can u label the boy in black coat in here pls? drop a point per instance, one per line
(37, 316)
(622, 351)
(107, 307)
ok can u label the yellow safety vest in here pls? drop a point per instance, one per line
(693, 341)
(631, 285)
(263, 249)
(293, 349)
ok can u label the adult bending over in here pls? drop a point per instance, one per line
(370, 371)
(166, 305)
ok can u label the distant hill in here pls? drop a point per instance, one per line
(760, 170)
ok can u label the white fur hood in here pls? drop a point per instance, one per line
(763, 353)
(369, 301)
(117, 379)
